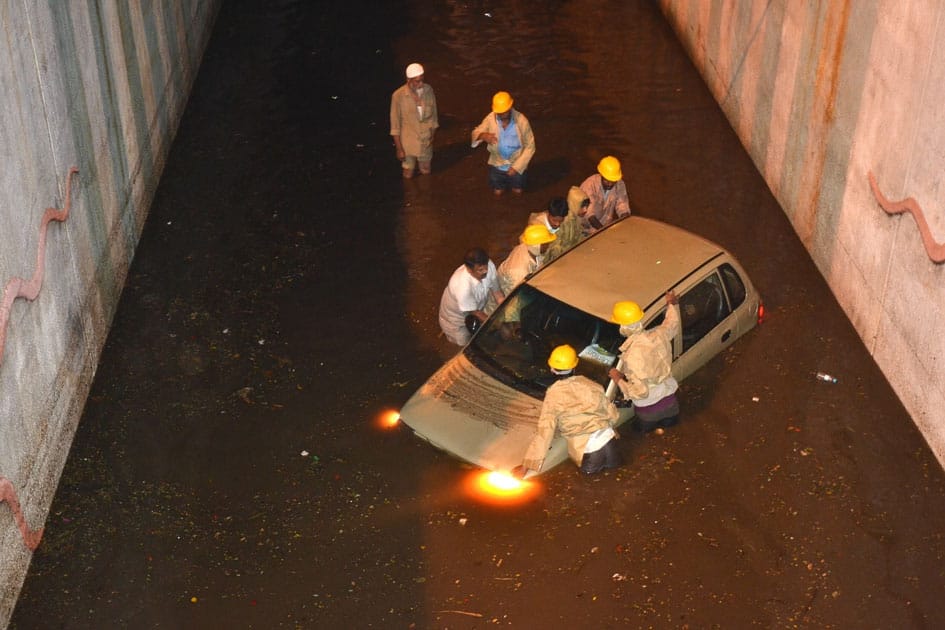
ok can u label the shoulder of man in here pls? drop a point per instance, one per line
(458, 276)
(579, 381)
(589, 183)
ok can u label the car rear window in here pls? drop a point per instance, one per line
(734, 285)
(702, 308)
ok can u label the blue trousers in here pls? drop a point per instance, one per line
(501, 180)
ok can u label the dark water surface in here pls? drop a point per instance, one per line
(284, 294)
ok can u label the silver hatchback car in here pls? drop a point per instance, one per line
(483, 404)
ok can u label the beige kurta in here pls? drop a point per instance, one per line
(515, 268)
(576, 407)
(647, 361)
(415, 127)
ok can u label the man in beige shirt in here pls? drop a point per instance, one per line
(413, 121)
(645, 374)
(608, 194)
(510, 142)
(525, 258)
(578, 409)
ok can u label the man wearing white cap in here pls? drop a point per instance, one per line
(413, 121)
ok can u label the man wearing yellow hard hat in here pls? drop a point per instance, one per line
(511, 144)
(578, 409)
(646, 360)
(608, 194)
(525, 258)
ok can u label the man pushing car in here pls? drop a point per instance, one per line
(580, 411)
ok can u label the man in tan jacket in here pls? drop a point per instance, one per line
(645, 374)
(510, 141)
(578, 409)
(413, 121)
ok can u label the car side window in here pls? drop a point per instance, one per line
(702, 308)
(734, 285)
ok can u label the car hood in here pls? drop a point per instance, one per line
(474, 417)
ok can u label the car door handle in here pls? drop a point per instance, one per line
(726, 335)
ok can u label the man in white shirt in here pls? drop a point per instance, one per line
(466, 294)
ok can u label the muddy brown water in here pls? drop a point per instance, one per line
(284, 294)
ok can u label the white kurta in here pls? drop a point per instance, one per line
(462, 295)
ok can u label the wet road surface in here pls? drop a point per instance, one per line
(284, 294)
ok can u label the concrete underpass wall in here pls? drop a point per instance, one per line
(822, 94)
(98, 85)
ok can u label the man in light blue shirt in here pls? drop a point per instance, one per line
(511, 144)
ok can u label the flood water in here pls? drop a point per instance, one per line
(229, 470)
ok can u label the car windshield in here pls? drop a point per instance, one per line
(514, 344)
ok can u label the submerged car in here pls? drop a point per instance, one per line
(483, 405)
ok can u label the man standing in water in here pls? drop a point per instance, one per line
(413, 121)
(645, 376)
(510, 141)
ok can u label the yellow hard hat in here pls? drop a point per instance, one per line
(627, 313)
(609, 167)
(537, 235)
(501, 102)
(563, 358)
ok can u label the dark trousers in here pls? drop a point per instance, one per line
(603, 458)
(501, 180)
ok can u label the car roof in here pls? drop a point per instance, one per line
(635, 259)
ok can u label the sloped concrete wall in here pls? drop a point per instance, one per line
(823, 94)
(100, 86)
